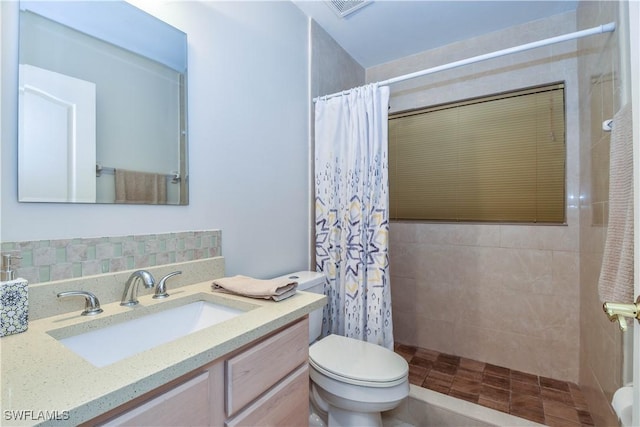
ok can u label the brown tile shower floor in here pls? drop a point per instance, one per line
(543, 400)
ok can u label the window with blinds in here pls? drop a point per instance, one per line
(500, 158)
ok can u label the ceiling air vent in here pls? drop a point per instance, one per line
(346, 7)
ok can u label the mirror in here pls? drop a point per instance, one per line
(102, 105)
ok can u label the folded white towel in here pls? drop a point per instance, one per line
(275, 289)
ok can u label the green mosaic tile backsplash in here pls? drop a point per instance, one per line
(48, 260)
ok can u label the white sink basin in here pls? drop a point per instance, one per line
(108, 345)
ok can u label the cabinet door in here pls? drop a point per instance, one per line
(256, 370)
(287, 404)
(184, 405)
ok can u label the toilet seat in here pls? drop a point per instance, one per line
(357, 362)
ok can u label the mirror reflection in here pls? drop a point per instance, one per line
(102, 105)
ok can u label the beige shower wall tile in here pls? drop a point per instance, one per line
(405, 327)
(596, 113)
(592, 239)
(597, 320)
(495, 65)
(586, 209)
(554, 25)
(602, 65)
(403, 294)
(489, 269)
(590, 303)
(460, 234)
(404, 260)
(447, 302)
(437, 334)
(565, 275)
(573, 208)
(451, 264)
(442, 264)
(437, 264)
(545, 357)
(604, 356)
(589, 14)
(605, 210)
(564, 50)
(600, 170)
(601, 411)
(498, 268)
(559, 238)
(523, 270)
(538, 73)
(403, 232)
(599, 154)
(610, 85)
(600, 339)
(536, 316)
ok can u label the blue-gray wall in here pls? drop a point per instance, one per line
(248, 133)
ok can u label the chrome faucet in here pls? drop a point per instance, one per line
(91, 303)
(161, 289)
(130, 295)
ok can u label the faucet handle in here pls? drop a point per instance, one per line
(91, 303)
(161, 289)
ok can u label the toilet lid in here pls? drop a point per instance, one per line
(358, 362)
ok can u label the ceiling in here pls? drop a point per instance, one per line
(387, 30)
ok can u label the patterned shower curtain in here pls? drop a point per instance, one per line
(352, 213)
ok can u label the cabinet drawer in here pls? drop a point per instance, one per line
(287, 404)
(185, 405)
(254, 371)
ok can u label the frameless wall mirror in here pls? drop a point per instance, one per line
(102, 105)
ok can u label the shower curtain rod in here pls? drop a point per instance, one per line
(606, 28)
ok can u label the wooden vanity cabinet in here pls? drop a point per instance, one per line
(274, 375)
(184, 405)
(286, 404)
(265, 383)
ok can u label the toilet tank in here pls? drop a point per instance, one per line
(310, 281)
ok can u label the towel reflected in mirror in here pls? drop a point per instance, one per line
(140, 187)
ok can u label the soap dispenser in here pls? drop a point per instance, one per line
(14, 299)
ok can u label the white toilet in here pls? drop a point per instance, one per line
(352, 381)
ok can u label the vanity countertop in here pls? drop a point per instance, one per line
(43, 380)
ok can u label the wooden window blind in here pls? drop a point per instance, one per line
(500, 158)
